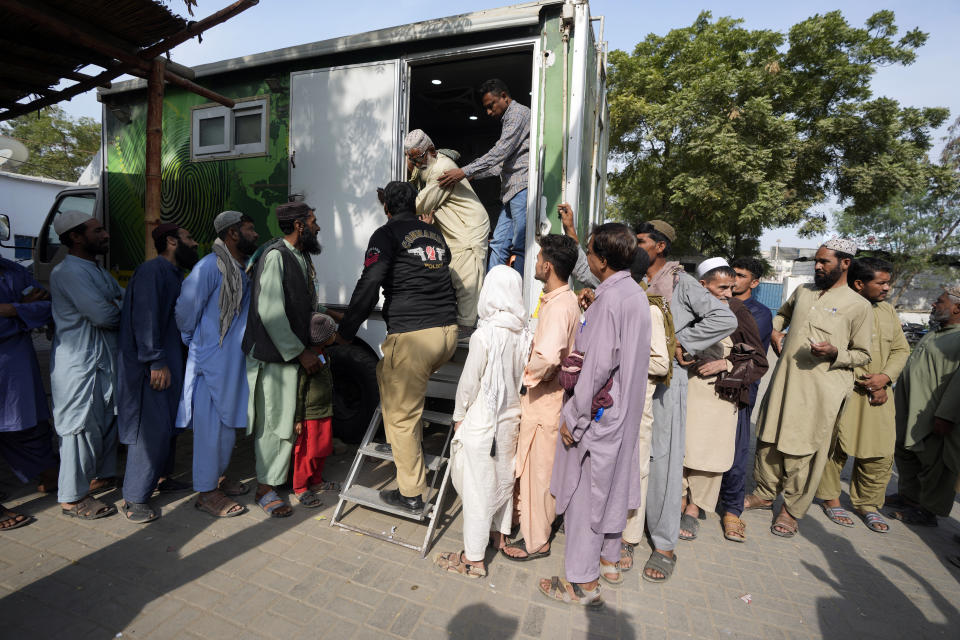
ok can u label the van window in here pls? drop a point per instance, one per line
(84, 202)
(219, 132)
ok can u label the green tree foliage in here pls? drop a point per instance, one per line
(725, 131)
(60, 146)
(917, 231)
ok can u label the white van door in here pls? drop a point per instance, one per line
(343, 145)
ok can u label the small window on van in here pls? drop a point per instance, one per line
(81, 202)
(219, 132)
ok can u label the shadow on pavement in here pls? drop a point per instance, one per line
(868, 603)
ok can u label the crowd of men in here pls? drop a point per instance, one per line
(620, 410)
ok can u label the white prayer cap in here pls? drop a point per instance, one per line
(843, 245)
(417, 139)
(70, 220)
(709, 264)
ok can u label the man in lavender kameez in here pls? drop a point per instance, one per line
(26, 441)
(596, 473)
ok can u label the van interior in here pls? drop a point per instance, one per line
(445, 103)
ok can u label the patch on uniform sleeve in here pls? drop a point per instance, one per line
(372, 257)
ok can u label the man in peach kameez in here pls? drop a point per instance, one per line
(558, 319)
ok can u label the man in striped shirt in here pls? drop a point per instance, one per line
(509, 158)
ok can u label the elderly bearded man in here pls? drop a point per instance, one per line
(928, 408)
(830, 336)
(460, 216)
(277, 344)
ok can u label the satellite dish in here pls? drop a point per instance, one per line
(12, 153)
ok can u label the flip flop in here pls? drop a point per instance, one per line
(454, 563)
(836, 513)
(873, 519)
(691, 524)
(626, 553)
(309, 499)
(662, 563)
(558, 592)
(12, 516)
(270, 502)
(606, 569)
(522, 545)
(791, 529)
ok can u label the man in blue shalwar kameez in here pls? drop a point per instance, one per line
(212, 317)
(86, 311)
(26, 442)
(150, 371)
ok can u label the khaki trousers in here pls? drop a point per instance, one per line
(797, 477)
(636, 518)
(467, 267)
(409, 359)
(702, 488)
(868, 482)
(535, 504)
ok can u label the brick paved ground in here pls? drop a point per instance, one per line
(188, 575)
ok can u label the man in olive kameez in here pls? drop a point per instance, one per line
(928, 408)
(830, 330)
(867, 426)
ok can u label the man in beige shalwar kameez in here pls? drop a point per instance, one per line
(558, 319)
(830, 335)
(867, 428)
(460, 216)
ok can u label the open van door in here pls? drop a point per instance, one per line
(48, 252)
(344, 143)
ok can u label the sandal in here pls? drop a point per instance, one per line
(734, 529)
(139, 512)
(15, 520)
(897, 500)
(325, 486)
(102, 485)
(171, 485)
(755, 503)
(626, 553)
(309, 499)
(560, 589)
(606, 570)
(455, 563)
(89, 509)
(788, 530)
(234, 488)
(691, 524)
(270, 502)
(522, 546)
(662, 563)
(917, 516)
(874, 521)
(836, 514)
(219, 505)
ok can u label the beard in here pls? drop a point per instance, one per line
(937, 318)
(310, 243)
(246, 246)
(826, 279)
(185, 257)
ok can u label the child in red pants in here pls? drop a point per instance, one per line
(313, 419)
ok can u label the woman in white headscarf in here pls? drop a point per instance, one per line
(487, 421)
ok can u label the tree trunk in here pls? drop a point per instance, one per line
(151, 204)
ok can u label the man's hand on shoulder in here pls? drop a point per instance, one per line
(448, 179)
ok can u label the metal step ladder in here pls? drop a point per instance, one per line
(443, 384)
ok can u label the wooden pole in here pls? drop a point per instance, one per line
(151, 204)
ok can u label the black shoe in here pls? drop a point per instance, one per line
(384, 447)
(393, 498)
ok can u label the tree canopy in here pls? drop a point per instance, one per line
(60, 146)
(918, 231)
(725, 131)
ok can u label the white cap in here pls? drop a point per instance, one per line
(710, 264)
(69, 220)
(417, 139)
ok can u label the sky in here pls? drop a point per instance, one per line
(272, 24)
